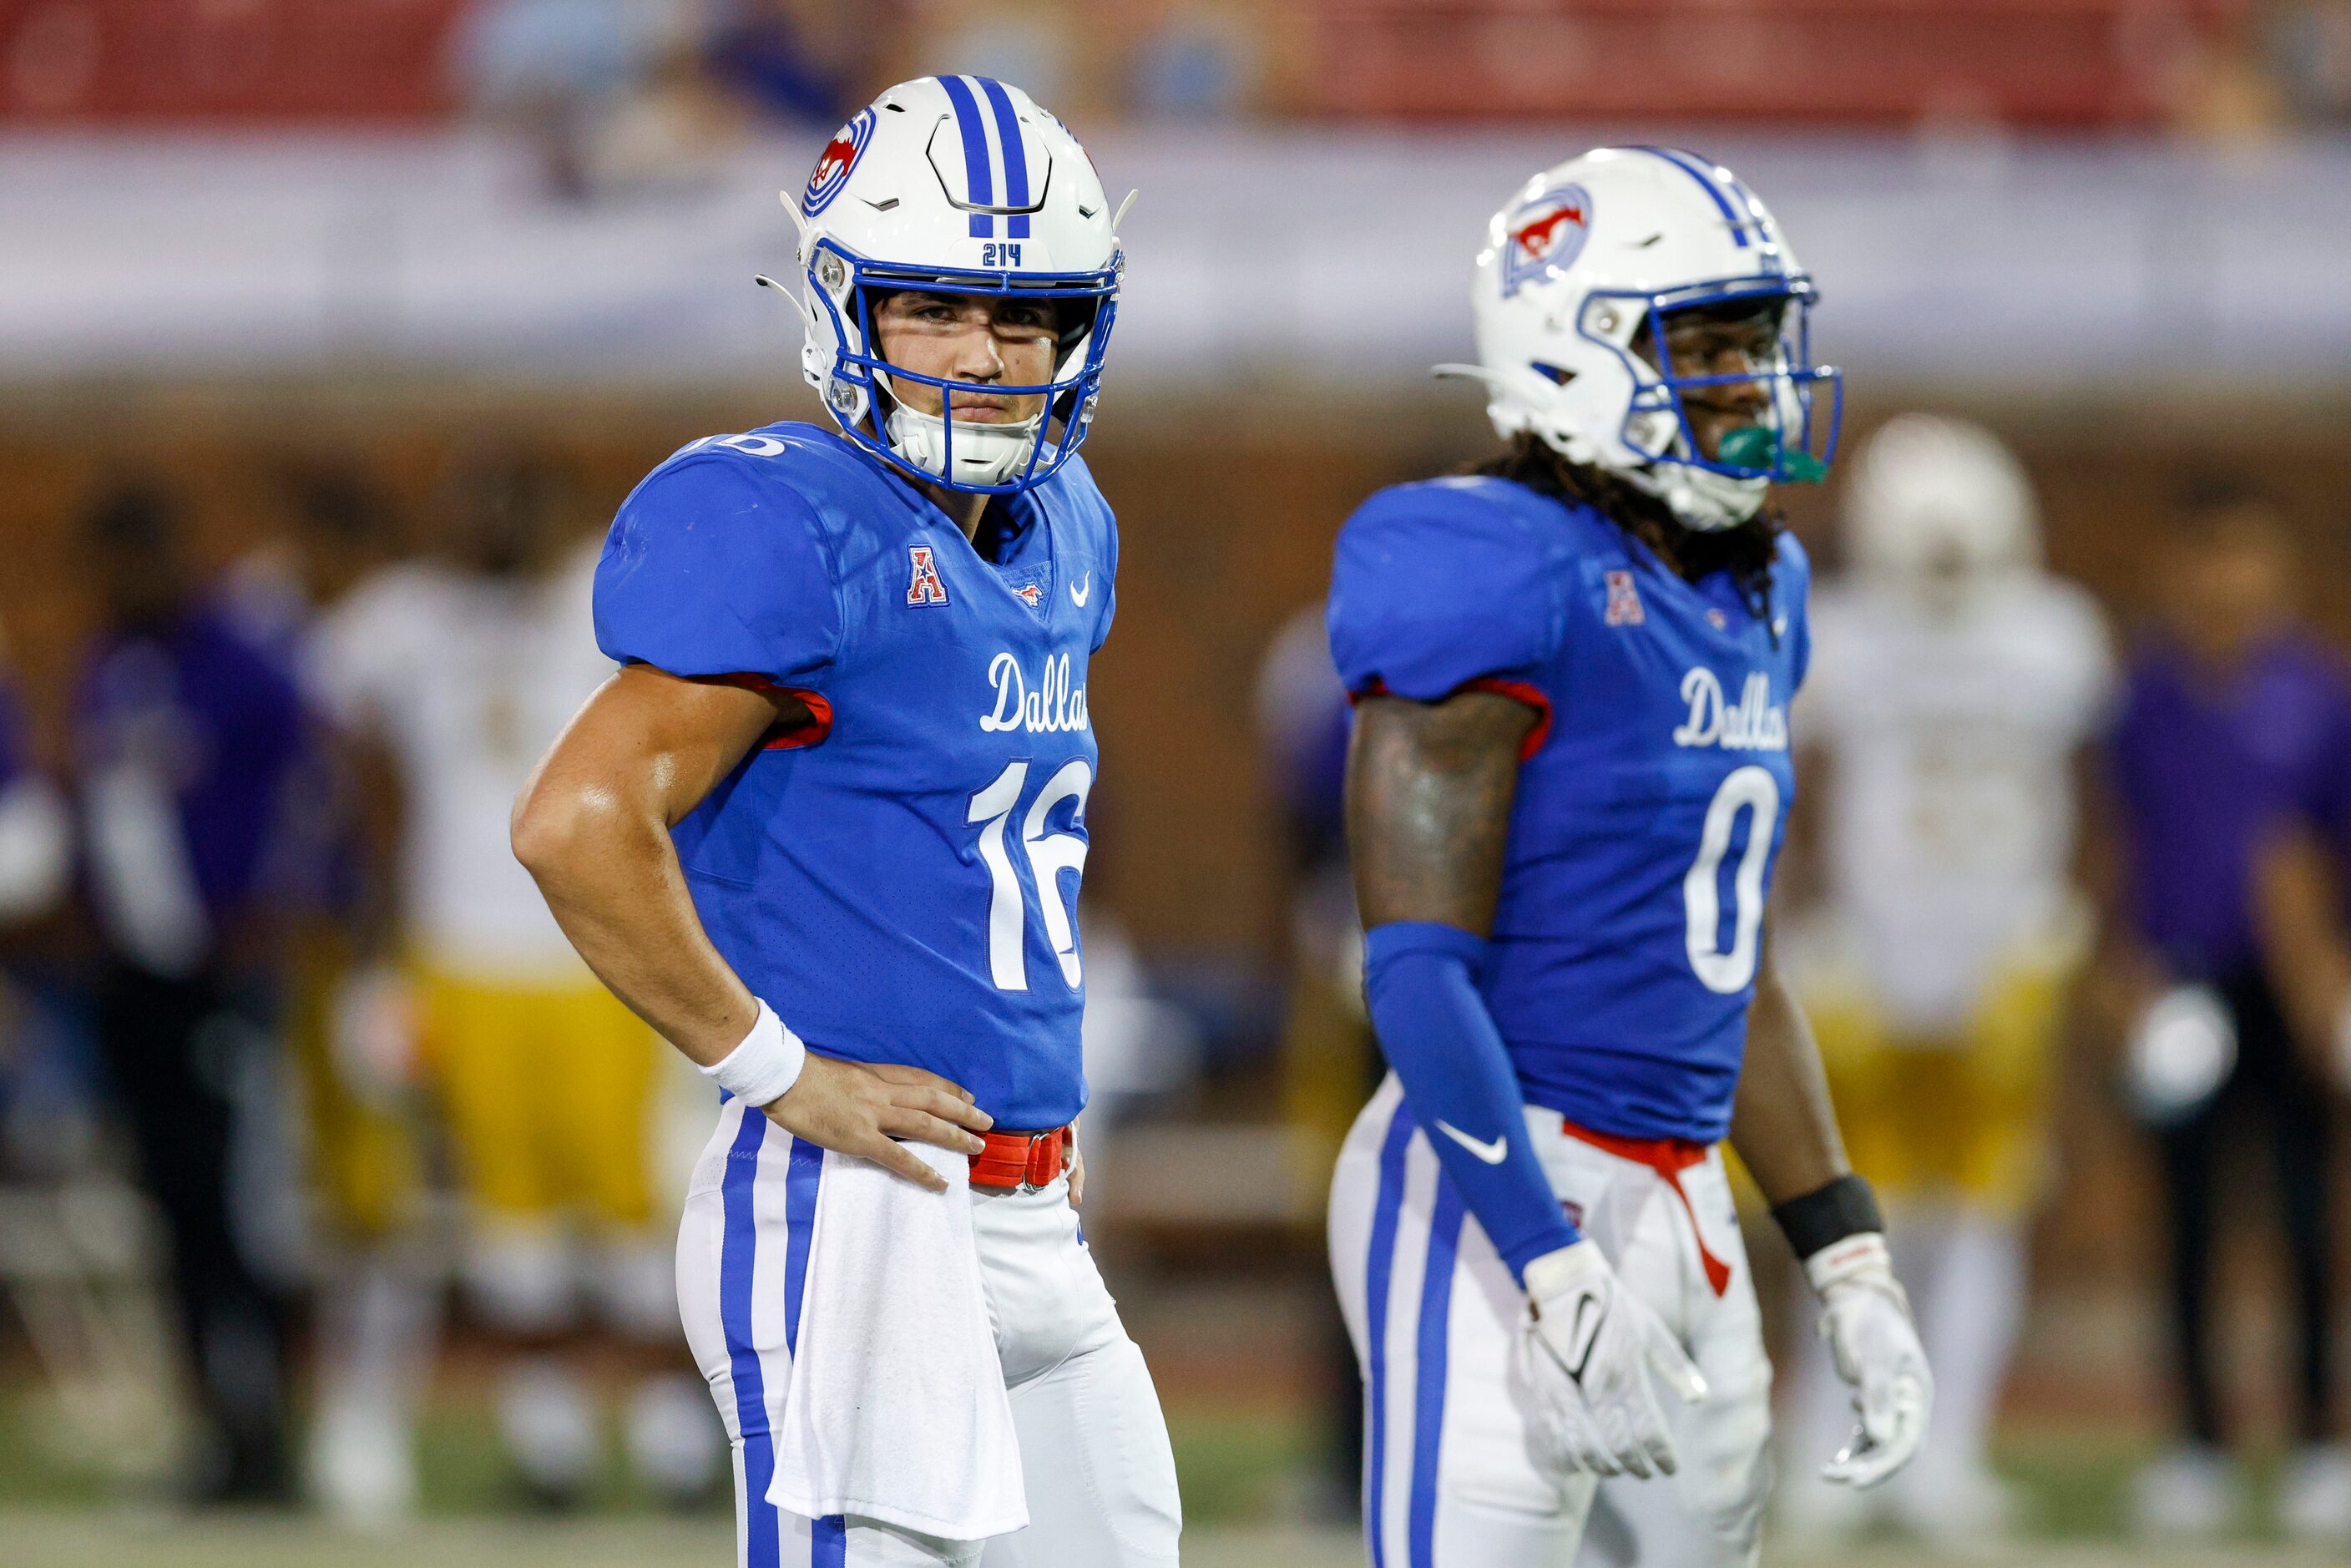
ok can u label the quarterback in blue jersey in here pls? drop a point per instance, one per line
(1568, 780)
(824, 831)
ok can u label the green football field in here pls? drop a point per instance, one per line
(1244, 1478)
(49, 1539)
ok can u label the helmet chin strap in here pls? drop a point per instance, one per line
(1700, 500)
(984, 453)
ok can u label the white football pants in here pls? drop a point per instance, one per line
(1093, 1445)
(1449, 1482)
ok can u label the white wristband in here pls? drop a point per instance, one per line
(765, 1065)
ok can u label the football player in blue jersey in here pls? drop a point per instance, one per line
(1568, 782)
(837, 796)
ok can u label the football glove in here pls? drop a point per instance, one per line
(1866, 1318)
(2181, 1050)
(1587, 1351)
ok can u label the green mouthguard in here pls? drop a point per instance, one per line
(1754, 446)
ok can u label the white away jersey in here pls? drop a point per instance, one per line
(1950, 810)
(470, 679)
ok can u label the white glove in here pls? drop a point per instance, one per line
(371, 1035)
(1866, 1318)
(2181, 1049)
(1586, 1352)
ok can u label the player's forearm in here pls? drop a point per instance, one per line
(1782, 1121)
(610, 875)
(1437, 1035)
(2303, 947)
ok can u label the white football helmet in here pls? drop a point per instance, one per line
(1939, 503)
(1584, 257)
(962, 185)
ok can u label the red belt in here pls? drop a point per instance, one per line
(1669, 1157)
(1022, 1161)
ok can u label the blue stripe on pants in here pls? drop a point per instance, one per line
(1428, 1396)
(979, 182)
(801, 1179)
(1385, 1209)
(737, 1248)
(1015, 156)
(829, 1542)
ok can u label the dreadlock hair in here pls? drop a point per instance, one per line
(1746, 552)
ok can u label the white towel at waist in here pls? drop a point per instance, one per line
(896, 1408)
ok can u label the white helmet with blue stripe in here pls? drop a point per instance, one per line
(1585, 257)
(962, 185)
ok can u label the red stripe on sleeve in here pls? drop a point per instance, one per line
(1522, 691)
(787, 736)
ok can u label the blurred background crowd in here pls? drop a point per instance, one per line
(331, 336)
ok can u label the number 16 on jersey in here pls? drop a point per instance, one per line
(1050, 853)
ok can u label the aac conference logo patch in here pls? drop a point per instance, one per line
(1544, 234)
(833, 164)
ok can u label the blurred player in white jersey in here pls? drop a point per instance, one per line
(375, 1315)
(1956, 681)
(465, 670)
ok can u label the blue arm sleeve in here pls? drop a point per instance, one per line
(1441, 1041)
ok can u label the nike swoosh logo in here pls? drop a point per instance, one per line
(1078, 596)
(1491, 1153)
(1584, 1334)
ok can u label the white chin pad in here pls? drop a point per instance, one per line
(1701, 500)
(984, 453)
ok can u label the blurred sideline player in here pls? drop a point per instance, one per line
(840, 787)
(376, 1307)
(1566, 789)
(1954, 686)
(1329, 1060)
(35, 826)
(462, 670)
(2234, 725)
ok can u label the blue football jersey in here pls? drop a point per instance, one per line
(1652, 796)
(898, 880)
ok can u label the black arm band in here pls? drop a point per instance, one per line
(1828, 1215)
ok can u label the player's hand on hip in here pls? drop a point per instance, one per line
(1866, 1318)
(857, 1109)
(1587, 1353)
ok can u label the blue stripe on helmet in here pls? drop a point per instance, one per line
(1704, 177)
(1015, 156)
(978, 180)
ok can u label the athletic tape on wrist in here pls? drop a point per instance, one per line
(1827, 1215)
(765, 1065)
(1863, 1259)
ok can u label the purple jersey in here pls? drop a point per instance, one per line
(2204, 765)
(216, 722)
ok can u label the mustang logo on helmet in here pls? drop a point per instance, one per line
(1545, 232)
(833, 164)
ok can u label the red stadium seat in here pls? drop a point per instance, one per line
(114, 61)
(2042, 62)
